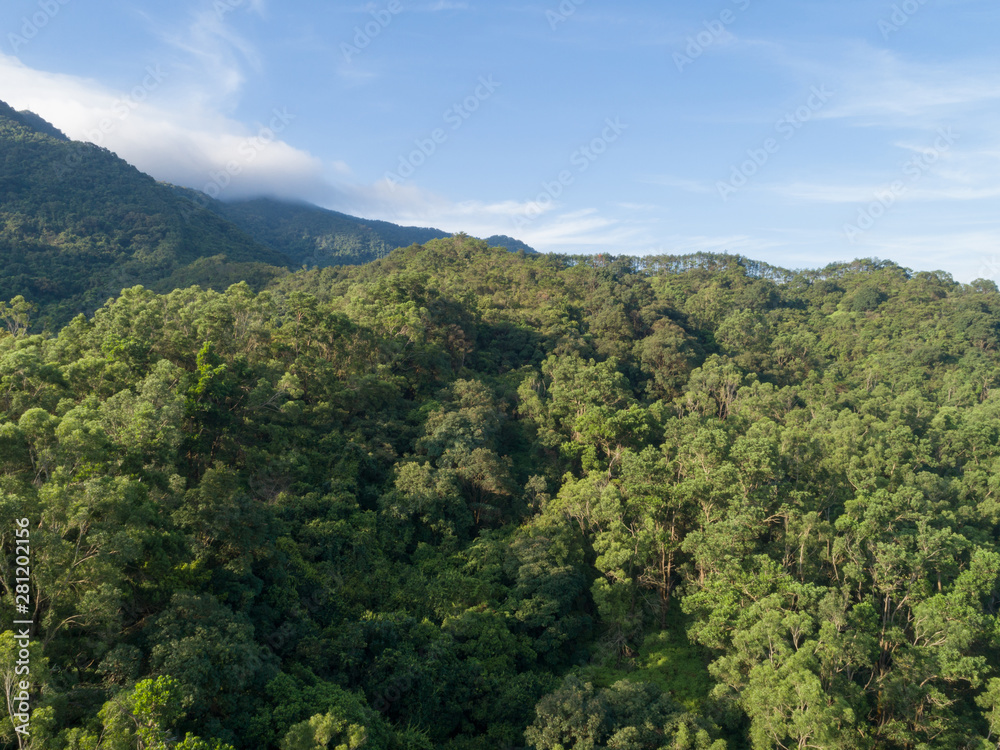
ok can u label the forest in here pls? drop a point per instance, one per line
(470, 499)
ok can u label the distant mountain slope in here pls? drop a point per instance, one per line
(509, 243)
(33, 122)
(77, 224)
(317, 237)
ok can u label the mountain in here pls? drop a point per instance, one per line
(33, 122)
(510, 244)
(317, 237)
(78, 224)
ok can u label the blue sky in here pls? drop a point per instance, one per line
(796, 133)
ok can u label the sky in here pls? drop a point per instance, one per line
(797, 133)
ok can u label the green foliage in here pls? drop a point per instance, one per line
(144, 718)
(315, 237)
(627, 714)
(509, 244)
(469, 499)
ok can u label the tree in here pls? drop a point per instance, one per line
(579, 716)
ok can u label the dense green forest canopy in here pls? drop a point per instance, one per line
(468, 499)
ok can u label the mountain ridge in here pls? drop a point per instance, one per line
(78, 224)
(313, 236)
(317, 237)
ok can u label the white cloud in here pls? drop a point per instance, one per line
(409, 204)
(341, 168)
(174, 140)
(542, 226)
(353, 74)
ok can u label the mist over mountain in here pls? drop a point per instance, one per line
(78, 224)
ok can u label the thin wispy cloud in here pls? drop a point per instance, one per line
(213, 52)
(882, 87)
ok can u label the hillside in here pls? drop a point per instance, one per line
(317, 237)
(509, 243)
(466, 499)
(78, 224)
